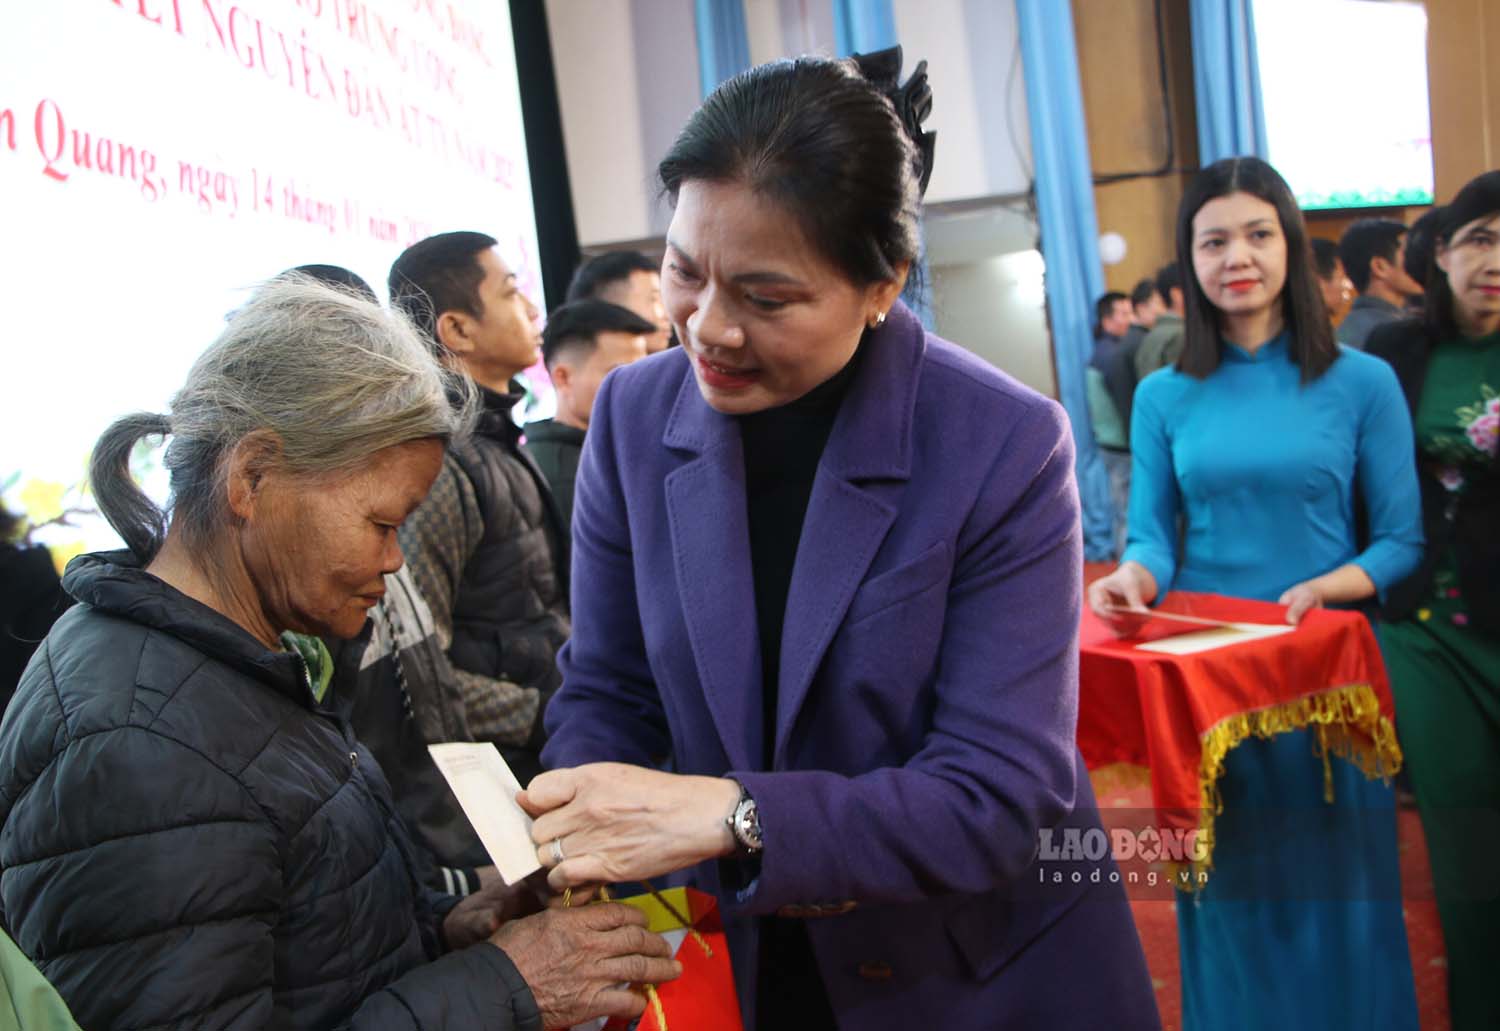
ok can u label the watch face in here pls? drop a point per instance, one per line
(752, 824)
(747, 825)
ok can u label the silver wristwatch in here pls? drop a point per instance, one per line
(744, 824)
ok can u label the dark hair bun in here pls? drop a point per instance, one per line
(913, 101)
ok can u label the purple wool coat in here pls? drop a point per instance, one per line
(928, 683)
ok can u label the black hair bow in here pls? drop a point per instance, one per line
(913, 101)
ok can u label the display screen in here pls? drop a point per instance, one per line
(1344, 84)
(160, 157)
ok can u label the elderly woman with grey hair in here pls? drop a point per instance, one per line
(190, 835)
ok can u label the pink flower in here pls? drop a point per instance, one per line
(1493, 408)
(1450, 478)
(1484, 432)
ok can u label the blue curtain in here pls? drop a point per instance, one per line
(723, 41)
(1070, 237)
(860, 26)
(1226, 76)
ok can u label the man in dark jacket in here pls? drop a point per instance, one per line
(486, 548)
(583, 341)
(1162, 345)
(1119, 373)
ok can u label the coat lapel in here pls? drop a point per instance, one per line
(710, 545)
(854, 501)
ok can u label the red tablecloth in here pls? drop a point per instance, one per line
(1179, 715)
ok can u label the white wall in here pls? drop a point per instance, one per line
(788, 28)
(627, 80)
(627, 77)
(995, 308)
(970, 49)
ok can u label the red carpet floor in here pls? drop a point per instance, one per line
(1157, 924)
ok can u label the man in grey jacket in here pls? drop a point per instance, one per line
(1373, 252)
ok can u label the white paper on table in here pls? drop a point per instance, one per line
(486, 789)
(1215, 637)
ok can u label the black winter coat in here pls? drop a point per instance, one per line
(188, 840)
(557, 448)
(1469, 523)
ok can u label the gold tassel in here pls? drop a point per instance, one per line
(1348, 723)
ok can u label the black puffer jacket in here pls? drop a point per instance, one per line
(188, 840)
(511, 613)
(1466, 522)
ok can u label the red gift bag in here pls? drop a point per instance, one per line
(704, 997)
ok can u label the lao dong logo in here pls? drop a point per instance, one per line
(1148, 845)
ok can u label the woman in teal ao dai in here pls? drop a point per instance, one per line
(1249, 455)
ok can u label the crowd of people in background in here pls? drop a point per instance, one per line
(782, 600)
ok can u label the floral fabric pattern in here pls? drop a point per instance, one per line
(1481, 422)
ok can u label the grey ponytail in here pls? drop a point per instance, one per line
(133, 515)
(333, 375)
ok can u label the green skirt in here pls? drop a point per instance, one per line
(1446, 678)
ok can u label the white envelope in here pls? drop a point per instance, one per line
(486, 789)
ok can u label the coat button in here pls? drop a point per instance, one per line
(876, 971)
(354, 760)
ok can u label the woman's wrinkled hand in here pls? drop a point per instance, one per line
(580, 963)
(1129, 587)
(481, 914)
(606, 823)
(1300, 599)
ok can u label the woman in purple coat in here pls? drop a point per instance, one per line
(827, 568)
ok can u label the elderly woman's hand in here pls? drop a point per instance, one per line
(608, 822)
(575, 961)
(481, 914)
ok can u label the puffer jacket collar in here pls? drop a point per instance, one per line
(114, 582)
(495, 415)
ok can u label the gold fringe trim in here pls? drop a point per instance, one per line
(1347, 723)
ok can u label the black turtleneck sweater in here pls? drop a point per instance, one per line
(782, 449)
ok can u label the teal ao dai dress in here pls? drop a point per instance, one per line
(1244, 484)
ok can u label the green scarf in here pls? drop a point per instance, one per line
(315, 657)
